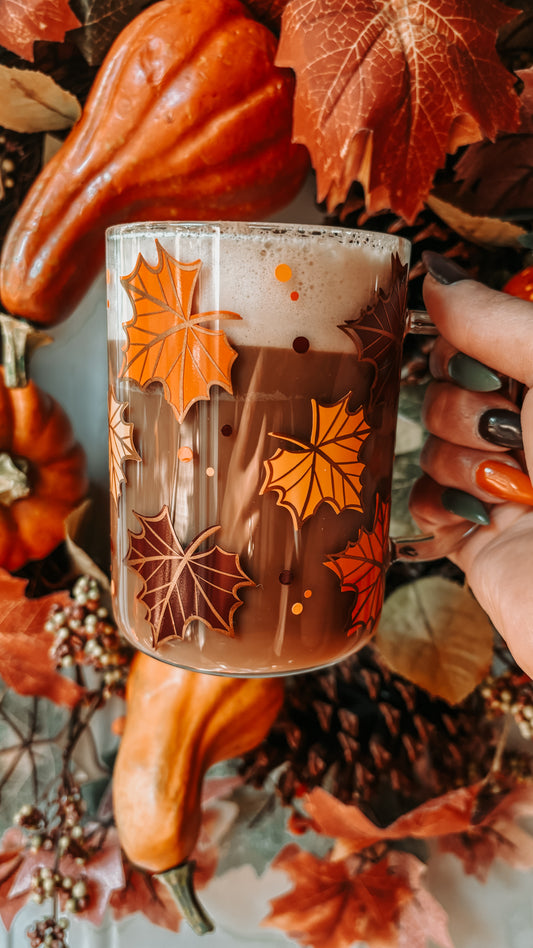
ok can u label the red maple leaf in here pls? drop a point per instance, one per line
(379, 330)
(180, 585)
(449, 813)
(103, 874)
(498, 836)
(361, 567)
(384, 91)
(496, 178)
(12, 849)
(339, 902)
(25, 662)
(22, 23)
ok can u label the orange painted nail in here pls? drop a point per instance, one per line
(504, 481)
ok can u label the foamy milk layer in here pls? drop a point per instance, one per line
(284, 281)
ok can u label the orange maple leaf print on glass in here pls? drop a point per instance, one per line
(167, 341)
(361, 567)
(325, 470)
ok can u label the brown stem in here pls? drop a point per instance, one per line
(180, 882)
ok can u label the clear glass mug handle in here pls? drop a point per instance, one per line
(426, 546)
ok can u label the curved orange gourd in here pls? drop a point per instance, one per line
(188, 119)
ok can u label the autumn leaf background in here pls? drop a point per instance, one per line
(418, 121)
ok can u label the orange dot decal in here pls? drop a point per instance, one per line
(308, 593)
(283, 272)
(297, 609)
(185, 454)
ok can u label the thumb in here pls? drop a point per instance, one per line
(490, 326)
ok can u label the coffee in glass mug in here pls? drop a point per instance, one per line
(254, 374)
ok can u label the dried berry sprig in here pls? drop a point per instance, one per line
(511, 693)
(48, 933)
(85, 635)
(86, 641)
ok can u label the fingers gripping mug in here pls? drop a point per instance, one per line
(253, 388)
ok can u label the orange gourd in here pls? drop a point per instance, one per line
(178, 723)
(187, 119)
(42, 474)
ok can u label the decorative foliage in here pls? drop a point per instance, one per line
(121, 445)
(378, 901)
(25, 662)
(167, 342)
(368, 104)
(33, 102)
(325, 470)
(361, 567)
(379, 330)
(102, 21)
(196, 585)
(434, 631)
(25, 23)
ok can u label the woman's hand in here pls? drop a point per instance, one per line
(481, 445)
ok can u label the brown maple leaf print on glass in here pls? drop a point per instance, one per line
(327, 469)
(361, 567)
(167, 341)
(379, 330)
(181, 585)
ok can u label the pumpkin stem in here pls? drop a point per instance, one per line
(14, 481)
(19, 339)
(180, 882)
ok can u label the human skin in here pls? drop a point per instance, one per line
(497, 559)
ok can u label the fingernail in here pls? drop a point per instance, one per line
(502, 427)
(472, 375)
(464, 505)
(443, 269)
(504, 481)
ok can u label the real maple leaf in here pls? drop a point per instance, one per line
(22, 24)
(379, 330)
(12, 851)
(180, 585)
(144, 893)
(25, 662)
(325, 470)
(361, 567)
(449, 813)
(495, 179)
(102, 21)
(384, 91)
(498, 836)
(167, 342)
(336, 902)
(103, 873)
(121, 446)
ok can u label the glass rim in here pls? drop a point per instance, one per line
(346, 235)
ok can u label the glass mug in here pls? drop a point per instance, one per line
(254, 375)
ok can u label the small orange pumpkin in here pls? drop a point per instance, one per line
(42, 474)
(521, 284)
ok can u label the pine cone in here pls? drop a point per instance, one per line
(362, 732)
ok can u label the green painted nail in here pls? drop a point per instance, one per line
(465, 506)
(472, 375)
